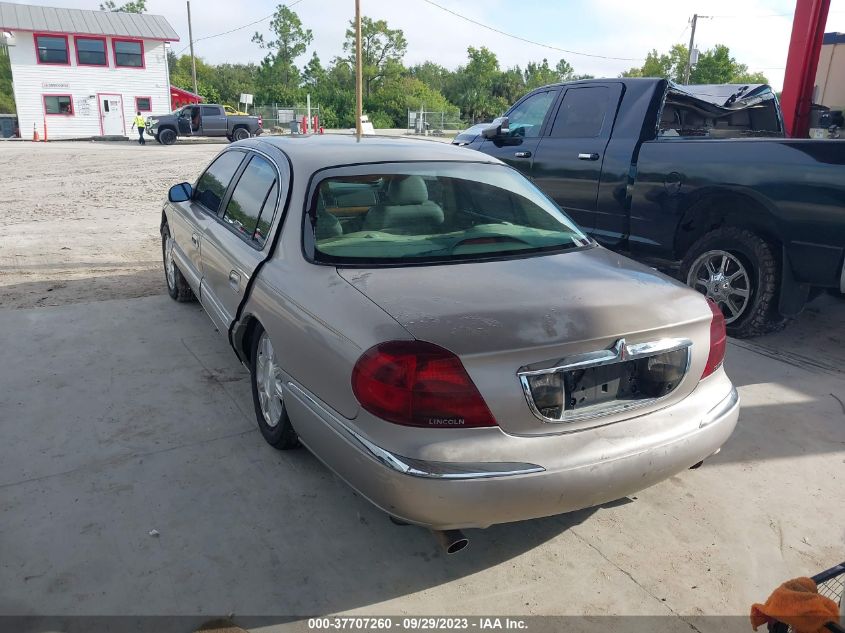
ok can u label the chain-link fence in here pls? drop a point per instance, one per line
(434, 123)
(278, 118)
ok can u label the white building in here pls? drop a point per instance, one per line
(85, 73)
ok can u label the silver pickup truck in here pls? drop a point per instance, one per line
(203, 120)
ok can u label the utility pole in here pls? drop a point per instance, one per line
(191, 42)
(691, 45)
(359, 74)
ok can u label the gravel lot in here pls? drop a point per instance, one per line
(125, 412)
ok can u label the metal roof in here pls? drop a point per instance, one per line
(26, 17)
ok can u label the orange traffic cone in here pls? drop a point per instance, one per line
(35, 138)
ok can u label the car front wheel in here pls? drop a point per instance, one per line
(740, 272)
(167, 137)
(268, 394)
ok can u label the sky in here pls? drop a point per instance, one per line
(757, 31)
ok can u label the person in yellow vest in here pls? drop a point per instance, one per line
(141, 123)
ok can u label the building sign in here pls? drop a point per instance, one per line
(53, 85)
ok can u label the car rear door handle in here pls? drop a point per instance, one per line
(586, 156)
(195, 240)
(522, 154)
(235, 280)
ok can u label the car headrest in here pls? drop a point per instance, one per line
(408, 190)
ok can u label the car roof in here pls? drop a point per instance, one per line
(311, 152)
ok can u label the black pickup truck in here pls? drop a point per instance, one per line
(698, 180)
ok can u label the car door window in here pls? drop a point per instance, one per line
(212, 185)
(582, 113)
(249, 201)
(210, 111)
(526, 119)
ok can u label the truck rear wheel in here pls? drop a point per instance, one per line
(240, 134)
(740, 272)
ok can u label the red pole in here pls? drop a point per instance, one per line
(801, 64)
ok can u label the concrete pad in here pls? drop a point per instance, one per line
(122, 417)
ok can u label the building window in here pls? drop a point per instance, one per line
(91, 51)
(52, 49)
(58, 104)
(128, 53)
(143, 104)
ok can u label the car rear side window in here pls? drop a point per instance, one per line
(211, 111)
(249, 201)
(581, 113)
(213, 183)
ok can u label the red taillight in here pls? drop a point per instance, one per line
(718, 340)
(260, 121)
(415, 383)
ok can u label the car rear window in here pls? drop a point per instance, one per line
(249, 201)
(435, 212)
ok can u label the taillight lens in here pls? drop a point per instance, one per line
(415, 383)
(260, 121)
(718, 340)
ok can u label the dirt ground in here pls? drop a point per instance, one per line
(80, 220)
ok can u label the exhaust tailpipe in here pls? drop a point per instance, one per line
(452, 541)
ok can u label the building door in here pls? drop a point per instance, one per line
(111, 115)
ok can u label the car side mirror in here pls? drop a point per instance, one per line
(180, 193)
(499, 127)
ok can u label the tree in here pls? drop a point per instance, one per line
(313, 73)
(291, 41)
(382, 50)
(7, 98)
(473, 88)
(134, 6)
(715, 66)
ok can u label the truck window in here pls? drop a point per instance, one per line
(526, 119)
(582, 113)
(211, 111)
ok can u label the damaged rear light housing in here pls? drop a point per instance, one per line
(718, 340)
(415, 383)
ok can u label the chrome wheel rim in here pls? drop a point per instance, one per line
(268, 381)
(723, 278)
(169, 265)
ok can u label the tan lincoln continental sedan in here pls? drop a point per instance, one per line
(440, 334)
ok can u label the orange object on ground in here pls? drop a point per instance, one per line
(798, 604)
(35, 138)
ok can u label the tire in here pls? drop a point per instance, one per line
(177, 285)
(157, 138)
(167, 137)
(240, 134)
(739, 262)
(270, 410)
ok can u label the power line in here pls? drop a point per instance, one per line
(523, 39)
(240, 28)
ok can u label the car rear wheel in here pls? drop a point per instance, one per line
(739, 271)
(268, 395)
(240, 134)
(177, 285)
(167, 137)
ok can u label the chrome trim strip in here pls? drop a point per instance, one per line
(620, 352)
(721, 409)
(414, 467)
